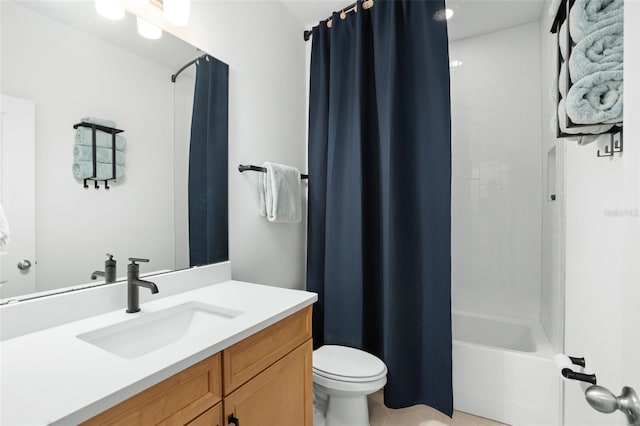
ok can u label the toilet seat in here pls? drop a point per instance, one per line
(346, 364)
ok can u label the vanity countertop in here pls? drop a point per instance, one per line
(52, 377)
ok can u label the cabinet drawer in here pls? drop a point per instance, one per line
(176, 400)
(211, 417)
(252, 355)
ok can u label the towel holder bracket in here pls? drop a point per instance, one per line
(113, 132)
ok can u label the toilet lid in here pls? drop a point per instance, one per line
(342, 361)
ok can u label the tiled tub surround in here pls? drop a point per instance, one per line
(497, 173)
(50, 376)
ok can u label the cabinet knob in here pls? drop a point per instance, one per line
(233, 420)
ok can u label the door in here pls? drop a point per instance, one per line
(602, 321)
(17, 196)
(279, 396)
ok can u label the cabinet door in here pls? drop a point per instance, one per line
(279, 396)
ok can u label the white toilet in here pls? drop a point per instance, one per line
(342, 379)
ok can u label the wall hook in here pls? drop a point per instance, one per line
(615, 145)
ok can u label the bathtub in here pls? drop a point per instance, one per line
(503, 370)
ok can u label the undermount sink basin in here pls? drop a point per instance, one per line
(149, 332)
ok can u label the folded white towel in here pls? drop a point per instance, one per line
(4, 228)
(280, 193)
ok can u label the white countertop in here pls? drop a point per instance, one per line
(52, 377)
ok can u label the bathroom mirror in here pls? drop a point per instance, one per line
(61, 62)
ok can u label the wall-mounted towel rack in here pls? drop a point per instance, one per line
(243, 168)
(564, 15)
(111, 130)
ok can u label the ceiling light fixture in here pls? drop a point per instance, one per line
(147, 29)
(176, 12)
(109, 9)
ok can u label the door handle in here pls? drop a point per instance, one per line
(601, 399)
(233, 420)
(24, 265)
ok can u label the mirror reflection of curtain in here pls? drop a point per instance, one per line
(208, 234)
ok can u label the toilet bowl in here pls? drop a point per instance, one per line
(342, 379)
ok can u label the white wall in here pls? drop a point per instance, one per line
(496, 182)
(77, 226)
(553, 212)
(263, 45)
(603, 250)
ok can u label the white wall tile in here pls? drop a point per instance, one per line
(497, 173)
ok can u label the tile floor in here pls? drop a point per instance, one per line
(419, 415)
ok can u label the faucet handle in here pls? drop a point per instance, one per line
(133, 260)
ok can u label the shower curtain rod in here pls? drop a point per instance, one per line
(187, 65)
(366, 4)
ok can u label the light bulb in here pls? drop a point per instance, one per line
(109, 9)
(147, 29)
(443, 14)
(448, 13)
(455, 64)
(176, 12)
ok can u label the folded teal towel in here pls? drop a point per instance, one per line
(600, 50)
(563, 40)
(596, 98)
(582, 140)
(588, 16)
(99, 121)
(103, 155)
(562, 80)
(84, 136)
(84, 170)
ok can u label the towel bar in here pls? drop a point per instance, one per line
(251, 167)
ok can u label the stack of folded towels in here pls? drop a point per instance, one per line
(83, 152)
(595, 68)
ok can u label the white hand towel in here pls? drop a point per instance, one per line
(280, 193)
(4, 228)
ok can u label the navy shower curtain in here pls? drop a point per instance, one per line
(208, 212)
(379, 194)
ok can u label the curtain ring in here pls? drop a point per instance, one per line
(343, 15)
(329, 23)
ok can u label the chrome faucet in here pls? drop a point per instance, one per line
(133, 284)
(109, 273)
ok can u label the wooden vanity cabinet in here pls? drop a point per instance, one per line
(263, 380)
(175, 401)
